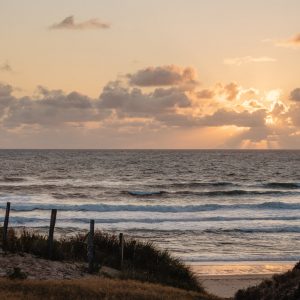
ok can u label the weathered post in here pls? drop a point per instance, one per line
(5, 226)
(90, 249)
(121, 244)
(51, 232)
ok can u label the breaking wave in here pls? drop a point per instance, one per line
(152, 208)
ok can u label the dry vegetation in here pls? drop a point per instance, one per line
(93, 289)
(170, 278)
(281, 287)
(142, 260)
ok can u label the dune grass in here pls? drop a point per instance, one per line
(142, 260)
(284, 286)
(94, 289)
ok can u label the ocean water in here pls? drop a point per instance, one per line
(204, 206)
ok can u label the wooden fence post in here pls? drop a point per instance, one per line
(5, 226)
(90, 249)
(121, 243)
(51, 232)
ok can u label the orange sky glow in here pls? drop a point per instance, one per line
(133, 74)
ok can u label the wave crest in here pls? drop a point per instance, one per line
(152, 208)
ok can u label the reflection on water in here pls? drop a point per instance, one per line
(245, 268)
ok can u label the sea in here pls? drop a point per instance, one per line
(204, 206)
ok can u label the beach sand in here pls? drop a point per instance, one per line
(225, 280)
(228, 285)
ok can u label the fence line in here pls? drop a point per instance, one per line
(51, 232)
(121, 239)
(5, 226)
(90, 252)
(90, 245)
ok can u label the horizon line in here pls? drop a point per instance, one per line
(154, 149)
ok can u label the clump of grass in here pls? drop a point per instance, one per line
(17, 273)
(142, 260)
(280, 287)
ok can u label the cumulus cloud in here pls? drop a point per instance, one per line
(219, 118)
(295, 115)
(124, 111)
(224, 117)
(6, 67)
(69, 23)
(251, 136)
(6, 98)
(170, 75)
(295, 95)
(295, 108)
(5, 90)
(205, 94)
(231, 90)
(135, 102)
(167, 105)
(51, 108)
(238, 61)
(290, 42)
(266, 137)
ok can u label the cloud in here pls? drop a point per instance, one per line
(168, 105)
(134, 102)
(51, 108)
(266, 137)
(251, 136)
(231, 90)
(165, 106)
(165, 115)
(6, 67)
(170, 75)
(295, 115)
(219, 118)
(224, 117)
(294, 110)
(6, 98)
(5, 90)
(292, 42)
(205, 94)
(295, 95)
(69, 23)
(238, 61)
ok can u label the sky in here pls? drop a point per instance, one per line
(134, 74)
